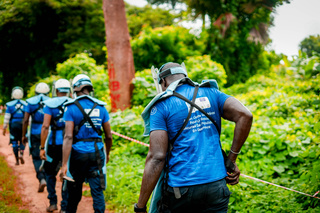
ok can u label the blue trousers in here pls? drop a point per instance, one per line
(210, 197)
(84, 167)
(35, 152)
(51, 170)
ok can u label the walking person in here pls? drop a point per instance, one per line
(14, 116)
(195, 175)
(51, 147)
(34, 109)
(83, 145)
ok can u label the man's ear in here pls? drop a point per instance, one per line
(165, 83)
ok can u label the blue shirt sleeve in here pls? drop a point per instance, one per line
(68, 115)
(8, 110)
(47, 110)
(221, 98)
(27, 108)
(158, 118)
(105, 115)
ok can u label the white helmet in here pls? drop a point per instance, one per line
(42, 88)
(62, 85)
(81, 81)
(17, 93)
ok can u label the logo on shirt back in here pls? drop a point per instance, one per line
(94, 113)
(202, 102)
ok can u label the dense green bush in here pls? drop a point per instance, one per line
(202, 67)
(144, 88)
(160, 45)
(81, 64)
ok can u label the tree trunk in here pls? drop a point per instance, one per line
(120, 58)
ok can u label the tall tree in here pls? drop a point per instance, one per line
(120, 58)
(237, 32)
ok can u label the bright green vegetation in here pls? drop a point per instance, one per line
(10, 201)
(283, 146)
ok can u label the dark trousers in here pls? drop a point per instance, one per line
(16, 137)
(84, 167)
(35, 152)
(51, 170)
(211, 197)
(17, 146)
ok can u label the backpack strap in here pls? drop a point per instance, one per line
(35, 111)
(228, 163)
(54, 125)
(163, 203)
(16, 110)
(86, 117)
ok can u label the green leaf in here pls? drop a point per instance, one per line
(279, 169)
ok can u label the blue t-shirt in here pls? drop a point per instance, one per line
(37, 119)
(196, 155)
(13, 109)
(98, 116)
(55, 112)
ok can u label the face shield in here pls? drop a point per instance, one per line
(159, 74)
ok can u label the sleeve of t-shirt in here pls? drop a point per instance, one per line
(221, 97)
(105, 115)
(27, 108)
(8, 110)
(68, 115)
(47, 110)
(158, 118)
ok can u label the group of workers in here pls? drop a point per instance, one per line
(186, 168)
(65, 134)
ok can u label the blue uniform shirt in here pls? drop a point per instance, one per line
(98, 116)
(55, 112)
(18, 114)
(196, 156)
(37, 119)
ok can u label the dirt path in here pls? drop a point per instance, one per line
(28, 183)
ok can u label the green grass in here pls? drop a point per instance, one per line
(10, 201)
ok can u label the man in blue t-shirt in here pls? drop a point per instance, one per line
(34, 109)
(14, 117)
(51, 147)
(197, 174)
(84, 157)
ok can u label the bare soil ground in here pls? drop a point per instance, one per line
(28, 183)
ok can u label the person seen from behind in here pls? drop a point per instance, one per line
(34, 109)
(13, 117)
(190, 153)
(84, 157)
(51, 147)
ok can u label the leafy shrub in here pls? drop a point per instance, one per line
(160, 45)
(202, 67)
(81, 64)
(144, 88)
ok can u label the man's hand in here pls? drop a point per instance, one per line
(43, 154)
(63, 172)
(108, 157)
(4, 132)
(233, 178)
(24, 140)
